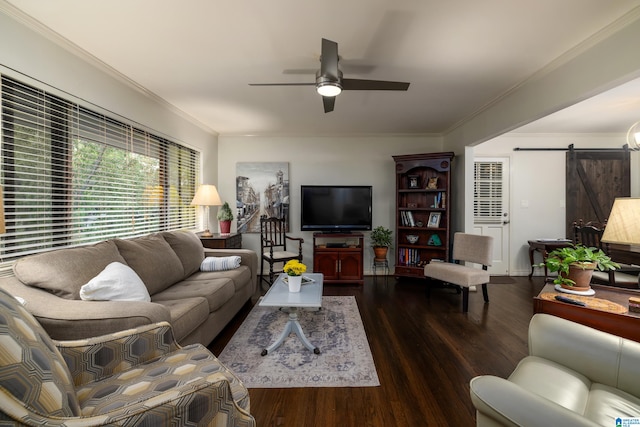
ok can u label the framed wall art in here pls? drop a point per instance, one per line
(262, 189)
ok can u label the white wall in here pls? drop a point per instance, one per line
(324, 160)
(537, 179)
(27, 55)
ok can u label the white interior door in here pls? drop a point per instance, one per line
(491, 207)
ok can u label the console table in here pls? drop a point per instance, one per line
(339, 257)
(222, 241)
(626, 325)
(544, 246)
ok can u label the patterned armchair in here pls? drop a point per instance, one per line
(135, 377)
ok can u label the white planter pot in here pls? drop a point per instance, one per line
(294, 283)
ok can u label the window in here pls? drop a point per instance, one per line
(487, 201)
(73, 176)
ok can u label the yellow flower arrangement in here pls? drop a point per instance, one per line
(294, 268)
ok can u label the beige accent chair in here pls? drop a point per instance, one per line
(468, 248)
(574, 376)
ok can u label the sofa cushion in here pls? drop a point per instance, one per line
(605, 401)
(188, 248)
(32, 370)
(217, 290)
(240, 276)
(117, 282)
(64, 271)
(187, 314)
(153, 259)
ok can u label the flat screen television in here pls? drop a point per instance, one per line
(336, 208)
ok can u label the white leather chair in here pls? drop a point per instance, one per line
(468, 248)
(574, 375)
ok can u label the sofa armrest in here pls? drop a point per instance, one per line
(247, 257)
(95, 358)
(65, 319)
(501, 402)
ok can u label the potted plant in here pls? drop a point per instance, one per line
(380, 240)
(225, 216)
(294, 270)
(575, 265)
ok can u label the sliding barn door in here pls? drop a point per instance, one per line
(594, 180)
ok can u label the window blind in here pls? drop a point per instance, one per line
(74, 176)
(487, 202)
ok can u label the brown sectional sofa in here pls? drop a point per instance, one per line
(196, 303)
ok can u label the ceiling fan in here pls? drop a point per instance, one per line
(329, 82)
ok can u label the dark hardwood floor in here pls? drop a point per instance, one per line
(425, 351)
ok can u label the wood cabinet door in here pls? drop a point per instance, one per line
(594, 180)
(327, 264)
(350, 266)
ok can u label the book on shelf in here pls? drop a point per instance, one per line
(406, 219)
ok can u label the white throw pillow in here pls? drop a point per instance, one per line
(117, 282)
(213, 263)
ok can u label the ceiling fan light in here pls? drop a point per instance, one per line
(633, 136)
(329, 89)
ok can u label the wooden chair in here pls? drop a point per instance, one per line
(273, 245)
(469, 248)
(590, 235)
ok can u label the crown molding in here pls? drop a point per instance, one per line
(47, 33)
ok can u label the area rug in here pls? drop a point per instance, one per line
(345, 358)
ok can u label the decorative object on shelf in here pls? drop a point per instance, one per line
(419, 224)
(434, 220)
(575, 265)
(294, 270)
(207, 195)
(412, 238)
(414, 181)
(381, 240)
(412, 205)
(432, 184)
(225, 216)
(434, 240)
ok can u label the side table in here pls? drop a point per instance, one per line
(544, 246)
(626, 325)
(222, 241)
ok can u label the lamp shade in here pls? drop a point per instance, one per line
(623, 225)
(207, 195)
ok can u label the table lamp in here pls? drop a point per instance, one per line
(207, 195)
(623, 225)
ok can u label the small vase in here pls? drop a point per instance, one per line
(294, 283)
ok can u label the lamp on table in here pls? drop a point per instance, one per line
(623, 225)
(207, 195)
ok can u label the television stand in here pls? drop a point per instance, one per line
(339, 257)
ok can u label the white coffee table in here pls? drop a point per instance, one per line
(310, 296)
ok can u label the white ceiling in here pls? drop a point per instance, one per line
(458, 55)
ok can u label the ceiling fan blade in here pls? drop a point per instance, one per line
(329, 59)
(328, 102)
(282, 84)
(357, 84)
